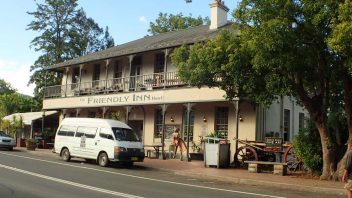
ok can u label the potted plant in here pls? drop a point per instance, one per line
(31, 144)
(197, 148)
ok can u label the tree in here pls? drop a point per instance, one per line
(16, 103)
(169, 22)
(66, 33)
(107, 41)
(281, 49)
(5, 87)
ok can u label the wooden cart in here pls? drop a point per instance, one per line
(272, 150)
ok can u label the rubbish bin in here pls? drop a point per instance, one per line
(216, 152)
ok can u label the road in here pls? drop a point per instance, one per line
(24, 175)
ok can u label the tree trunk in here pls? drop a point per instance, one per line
(347, 86)
(327, 151)
(337, 176)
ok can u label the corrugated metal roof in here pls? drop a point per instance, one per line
(148, 43)
(29, 116)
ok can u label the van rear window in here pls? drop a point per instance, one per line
(67, 131)
(123, 134)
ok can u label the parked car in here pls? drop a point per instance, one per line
(6, 141)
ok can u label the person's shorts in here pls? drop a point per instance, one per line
(348, 186)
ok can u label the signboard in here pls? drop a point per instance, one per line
(83, 142)
(273, 144)
(137, 98)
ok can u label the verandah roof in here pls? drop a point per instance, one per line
(30, 116)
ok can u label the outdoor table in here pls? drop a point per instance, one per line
(156, 148)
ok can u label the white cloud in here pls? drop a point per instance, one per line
(17, 74)
(142, 19)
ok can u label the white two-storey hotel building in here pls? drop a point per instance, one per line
(136, 83)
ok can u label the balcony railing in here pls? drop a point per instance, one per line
(125, 84)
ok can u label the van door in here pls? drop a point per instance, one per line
(85, 139)
(105, 142)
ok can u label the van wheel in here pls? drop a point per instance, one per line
(66, 155)
(103, 159)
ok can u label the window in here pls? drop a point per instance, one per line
(96, 72)
(221, 121)
(301, 120)
(106, 134)
(123, 134)
(158, 123)
(137, 61)
(89, 132)
(286, 125)
(75, 75)
(159, 63)
(67, 131)
(117, 70)
(136, 66)
(185, 125)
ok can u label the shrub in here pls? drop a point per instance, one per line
(308, 147)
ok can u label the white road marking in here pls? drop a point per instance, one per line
(146, 178)
(69, 182)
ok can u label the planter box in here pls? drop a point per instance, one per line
(217, 153)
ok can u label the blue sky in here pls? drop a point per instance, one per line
(127, 20)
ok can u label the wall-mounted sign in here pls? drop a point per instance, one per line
(122, 99)
(137, 98)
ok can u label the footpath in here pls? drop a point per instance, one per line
(196, 169)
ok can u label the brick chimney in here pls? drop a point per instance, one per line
(218, 14)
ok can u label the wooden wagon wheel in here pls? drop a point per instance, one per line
(245, 153)
(294, 163)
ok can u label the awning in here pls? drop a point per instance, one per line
(29, 117)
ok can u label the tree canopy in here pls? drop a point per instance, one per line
(169, 22)
(5, 87)
(65, 33)
(300, 48)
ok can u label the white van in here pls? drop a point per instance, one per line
(97, 139)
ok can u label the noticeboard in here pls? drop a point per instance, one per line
(273, 144)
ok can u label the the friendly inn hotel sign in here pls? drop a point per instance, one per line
(137, 98)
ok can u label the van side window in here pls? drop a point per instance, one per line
(106, 133)
(66, 131)
(89, 132)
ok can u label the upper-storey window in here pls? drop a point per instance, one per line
(117, 70)
(136, 66)
(96, 72)
(159, 63)
(75, 75)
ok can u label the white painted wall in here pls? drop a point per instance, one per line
(273, 116)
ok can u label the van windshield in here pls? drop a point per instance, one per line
(123, 134)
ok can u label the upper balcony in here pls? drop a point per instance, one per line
(125, 84)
